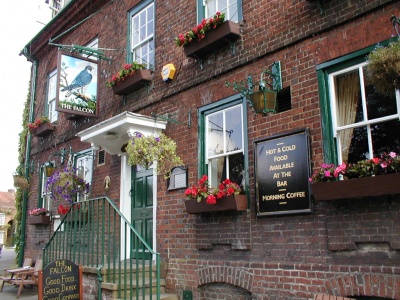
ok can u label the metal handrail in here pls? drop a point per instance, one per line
(94, 233)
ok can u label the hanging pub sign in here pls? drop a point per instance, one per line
(282, 167)
(77, 87)
(60, 279)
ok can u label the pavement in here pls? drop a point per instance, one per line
(7, 261)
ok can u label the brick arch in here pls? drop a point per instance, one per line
(366, 284)
(236, 276)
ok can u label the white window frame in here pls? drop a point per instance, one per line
(365, 123)
(94, 44)
(45, 195)
(52, 114)
(84, 164)
(210, 155)
(229, 7)
(2, 219)
(139, 42)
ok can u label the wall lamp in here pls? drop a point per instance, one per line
(49, 166)
(263, 100)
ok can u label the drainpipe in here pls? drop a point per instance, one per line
(99, 281)
(27, 153)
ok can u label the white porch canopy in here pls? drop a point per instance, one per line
(115, 132)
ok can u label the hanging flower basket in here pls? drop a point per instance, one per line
(383, 68)
(66, 185)
(232, 202)
(145, 150)
(357, 187)
(39, 220)
(21, 182)
(132, 83)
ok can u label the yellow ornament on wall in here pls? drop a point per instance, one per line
(168, 72)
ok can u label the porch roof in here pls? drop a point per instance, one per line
(112, 134)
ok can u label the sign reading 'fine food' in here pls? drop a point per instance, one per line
(61, 279)
(282, 172)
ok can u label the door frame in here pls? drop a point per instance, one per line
(125, 201)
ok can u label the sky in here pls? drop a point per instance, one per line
(20, 21)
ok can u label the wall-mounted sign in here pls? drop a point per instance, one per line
(61, 279)
(178, 178)
(282, 168)
(77, 85)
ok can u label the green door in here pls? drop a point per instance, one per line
(142, 209)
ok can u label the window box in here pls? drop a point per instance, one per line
(132, 83)
(39, 220)
(44, 129)
(224, 34)
(234, 202)
(357, 187)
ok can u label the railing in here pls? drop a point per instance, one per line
(95, 234)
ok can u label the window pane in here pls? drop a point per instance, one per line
(348, 98)
(142, 36)
(215, 139)
(386, 137)
(354, 144)
(234, 129)
(211, 8)
(378, 105)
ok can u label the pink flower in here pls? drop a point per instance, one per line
(384, 165)
(392, 154)
(340, 170)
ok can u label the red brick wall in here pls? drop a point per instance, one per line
(285, 257)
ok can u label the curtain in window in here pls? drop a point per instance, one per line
(347, 93)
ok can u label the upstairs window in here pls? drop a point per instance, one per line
(2, 219)
(51, 112)
(231, 8)
(142, 34)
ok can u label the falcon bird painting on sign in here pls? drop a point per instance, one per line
(77, 85)
(80, 82)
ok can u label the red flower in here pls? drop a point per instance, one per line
(375, 160)
(211, 199)
(203, 191)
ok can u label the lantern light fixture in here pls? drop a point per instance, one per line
(263, 100)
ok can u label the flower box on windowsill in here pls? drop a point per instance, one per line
(224, 34)
(357, 188)
(44, 129)
(39, 220)
(132, 83)
(234, 202)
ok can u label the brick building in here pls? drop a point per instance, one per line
(292, 249)
(7, 215)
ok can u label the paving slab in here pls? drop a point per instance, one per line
(7, 261)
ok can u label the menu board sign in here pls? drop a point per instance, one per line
(282, 166)
(61, 279)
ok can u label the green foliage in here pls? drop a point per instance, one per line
(19, 195)
(144, 150)
(126, 71)
(384, 68)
